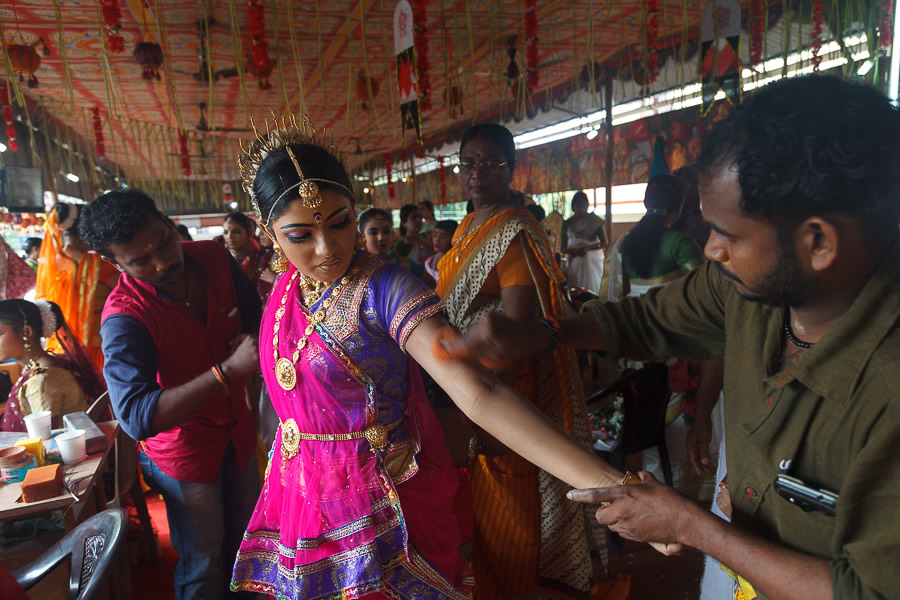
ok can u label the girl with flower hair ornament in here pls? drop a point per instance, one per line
(61, 383)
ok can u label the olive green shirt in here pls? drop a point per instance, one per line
(832, 420)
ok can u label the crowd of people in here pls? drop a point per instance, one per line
(332, 408)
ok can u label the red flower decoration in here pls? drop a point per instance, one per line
(757, 22)
(818, 19)
(684, 376)
(420, 42)
(98, 131)
(11, 142)
(387, 170)
(259, 47)
(443, 177)
(885, 27)
(112, 23)
(185, 158)
(652, 41)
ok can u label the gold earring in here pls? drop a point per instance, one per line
(360, 241)
(279, 262)
(26, 345)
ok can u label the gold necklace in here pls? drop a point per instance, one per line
(31, 364)
(285, 372)
(459, 245)
(312, 290)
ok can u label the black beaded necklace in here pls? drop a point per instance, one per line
(790, 332)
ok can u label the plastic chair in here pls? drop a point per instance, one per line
(93, 548)
(125, 475)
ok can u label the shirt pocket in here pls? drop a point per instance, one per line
(809, 532)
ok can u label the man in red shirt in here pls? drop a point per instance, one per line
(179, 339)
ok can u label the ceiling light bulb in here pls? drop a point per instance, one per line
(592, 134)
(365, 190)
(456, 169)
(865, 68)
(2, 147)
(233, 204)
(72, 177)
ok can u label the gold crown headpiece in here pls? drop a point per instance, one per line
(283, 133)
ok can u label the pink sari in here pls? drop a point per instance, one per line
(341, 519)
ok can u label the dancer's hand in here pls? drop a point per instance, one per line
(646, 512)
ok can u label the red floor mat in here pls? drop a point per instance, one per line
(156, 583)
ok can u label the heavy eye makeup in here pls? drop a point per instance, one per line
(302, 235)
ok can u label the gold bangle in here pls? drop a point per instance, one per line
(630, 479)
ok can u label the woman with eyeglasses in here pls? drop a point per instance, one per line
(501, 262)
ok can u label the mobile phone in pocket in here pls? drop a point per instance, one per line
(808, 498)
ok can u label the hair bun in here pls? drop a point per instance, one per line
(50, 317)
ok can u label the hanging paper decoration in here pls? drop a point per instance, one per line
(25, 59)
(185, 153)
(818, 19)
(757, 22)
(443, 178)
(363, 84)
(531, 40)
(423, 66)
(885, 26)
(652, 7)
(720, 57)
(512, 69)
(150, 56)
(112, 24)
(406, 70)
(11, 142)
(98, 131)
(387, 169)
(259, 65)
(453, 97)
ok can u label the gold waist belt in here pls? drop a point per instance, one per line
(376, 435)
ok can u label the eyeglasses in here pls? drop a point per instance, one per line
(491, 167)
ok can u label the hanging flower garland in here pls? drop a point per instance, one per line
(420, 43)
(11, 142)
(387, 169)
(818, 19)
(443, 177)
(98, 131)
(652, 7)
(185, 157)
(757, 22)
(112, 23)
(885, 27)
(259, 47)
(532, 76)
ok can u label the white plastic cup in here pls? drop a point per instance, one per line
(72, 446)
(38, 424)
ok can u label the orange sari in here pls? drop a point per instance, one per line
(80, 289)
(527, 534)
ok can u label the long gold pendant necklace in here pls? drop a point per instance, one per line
(285, 372)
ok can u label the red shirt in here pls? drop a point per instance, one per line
(183, 349)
